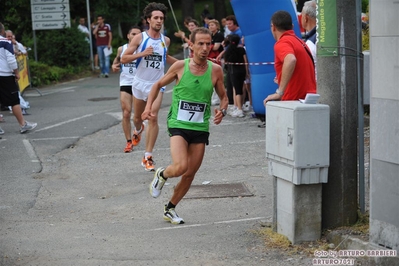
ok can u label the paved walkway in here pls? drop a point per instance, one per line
(91, 204)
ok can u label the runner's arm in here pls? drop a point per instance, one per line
(129, 55)
(169, 77)
(116, 63)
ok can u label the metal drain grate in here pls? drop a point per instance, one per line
(99, 99)
(218, 191)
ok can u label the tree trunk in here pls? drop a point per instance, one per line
(187, 7)
(219, 9)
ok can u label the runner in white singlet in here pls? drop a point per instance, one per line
(127, 72)
(150, 50)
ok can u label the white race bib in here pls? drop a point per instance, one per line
(153, 61)
(191, 112)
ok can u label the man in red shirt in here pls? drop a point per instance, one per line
(103, 35)
(293, 62)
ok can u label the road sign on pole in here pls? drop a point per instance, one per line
(34, 2)
(50, 14)
(50, 8)
(51, 25)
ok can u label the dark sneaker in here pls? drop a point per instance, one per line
(171, 216)
(28, 126)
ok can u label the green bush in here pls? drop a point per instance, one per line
(366, 39)
(116, 42)
(43, 74)
(365, 4)
(65, 47)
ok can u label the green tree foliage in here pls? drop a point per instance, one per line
(16, 16)
(366, 39)
(66, 47)
(120, 14)
(365, 5)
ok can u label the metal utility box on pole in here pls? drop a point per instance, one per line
(297, 149)
(337, 84)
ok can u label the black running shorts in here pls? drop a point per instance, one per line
(127, 89)
(191, 136)
(9, 91)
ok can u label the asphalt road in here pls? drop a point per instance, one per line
(70, 196)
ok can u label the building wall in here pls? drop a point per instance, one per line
(384, 123)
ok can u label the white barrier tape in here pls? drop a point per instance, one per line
(251, 64)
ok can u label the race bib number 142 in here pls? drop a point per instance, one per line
(153, 61)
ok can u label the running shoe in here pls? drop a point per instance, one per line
(148, 163)
(237, 113)
(171, 216)
(246, 107)
(129, 147)
(231, 109)
(1, 131)
(157, 183)
(28, 126)
(137, 136)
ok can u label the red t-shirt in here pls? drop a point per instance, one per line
(303, 79)
(102, 36)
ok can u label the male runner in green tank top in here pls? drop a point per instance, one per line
(188, 118)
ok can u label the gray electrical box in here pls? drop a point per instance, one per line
(298, 141)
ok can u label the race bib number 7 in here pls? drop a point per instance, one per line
(191, 112)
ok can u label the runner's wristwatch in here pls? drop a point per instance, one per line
(279, 92)
(223, 112)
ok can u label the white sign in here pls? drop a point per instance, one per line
(33, 2)
(50, 8)
(50, 16)
(50, 25)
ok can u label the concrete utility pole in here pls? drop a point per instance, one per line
(337, 84)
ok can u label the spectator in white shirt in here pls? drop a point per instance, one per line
(82, 27)
(18, 47)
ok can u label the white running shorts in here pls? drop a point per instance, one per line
(141, 89)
